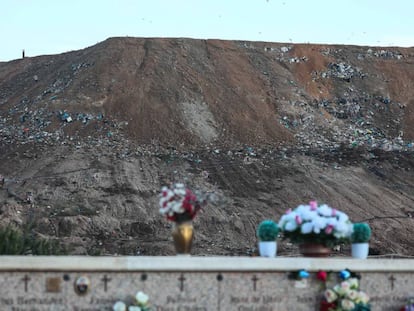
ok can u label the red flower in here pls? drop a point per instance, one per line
(322, 275)
(327, 306)
(180, 204)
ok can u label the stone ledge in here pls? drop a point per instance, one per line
(201, 264)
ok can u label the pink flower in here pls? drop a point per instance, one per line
(288, 211)
(329, 229)
(313, 205)
(298, 219)
(333, 212)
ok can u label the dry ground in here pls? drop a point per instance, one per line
(266, 126)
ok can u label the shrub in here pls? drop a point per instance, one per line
(267, 231)
(14, 242)
(361, 233)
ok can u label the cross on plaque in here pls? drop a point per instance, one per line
(181, 279)
(105, 279)
(26, 279)
(392, 279)
(254, 279)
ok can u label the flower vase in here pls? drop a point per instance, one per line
(314, 250)
(183, 233)
(360, 250)
(267, 248)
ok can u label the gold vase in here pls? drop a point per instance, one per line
(183, 233)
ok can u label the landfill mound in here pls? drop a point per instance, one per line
(89, 137)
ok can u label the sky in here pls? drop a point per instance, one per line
(56, 26)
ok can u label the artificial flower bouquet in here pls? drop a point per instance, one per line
(345, 296)
(179, 203)
(313, 223)
(141, 303)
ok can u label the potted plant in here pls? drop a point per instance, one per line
(315, 228)
(267, 232)
(180, 205)
(360, 236)
(345, 296)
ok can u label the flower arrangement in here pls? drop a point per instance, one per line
(141, 303)
(179, 203)
(316, 224)
(345, 296)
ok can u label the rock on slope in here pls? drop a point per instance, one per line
(94, 134)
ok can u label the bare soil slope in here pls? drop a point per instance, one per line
(94, 134)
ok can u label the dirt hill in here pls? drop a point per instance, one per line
(87, 139)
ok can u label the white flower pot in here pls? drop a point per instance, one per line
(360, 250)
(267, 249)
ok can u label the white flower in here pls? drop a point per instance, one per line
(177, 207)
(325, 210)
(330, 295)
(162, 202)
(331, 221)
(353, 294)
(353, 282)
(347, 304)
(343, 288)
(291, 225)
(291, 216)
(342, 217)
(319, 223)
(343, 229)
(283, 220)
(301, 209)
(308, 215)
(180, 192)
(179, 189)
(134, 308)
(362, 298)
(306, 228)
(119, 306)
(142, 298)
